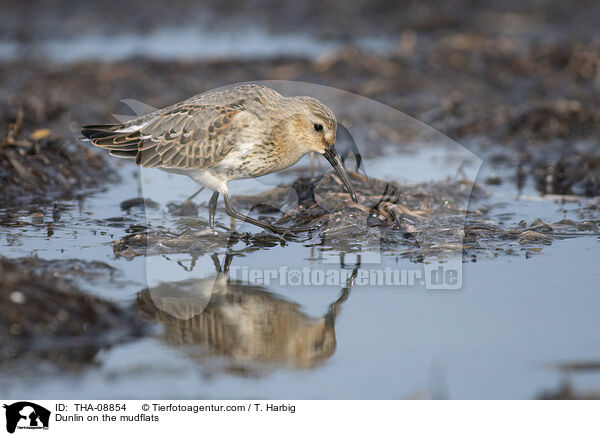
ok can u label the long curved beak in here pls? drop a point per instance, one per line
(334, 159)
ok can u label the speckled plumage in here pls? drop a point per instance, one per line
(238, 133)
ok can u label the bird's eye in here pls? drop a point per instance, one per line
(318, 127)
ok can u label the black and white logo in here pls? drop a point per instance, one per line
(26, 415)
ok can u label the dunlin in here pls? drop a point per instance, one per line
(240, 133)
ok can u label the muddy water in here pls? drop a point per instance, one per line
(502, 335)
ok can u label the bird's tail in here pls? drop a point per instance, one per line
(121, 144)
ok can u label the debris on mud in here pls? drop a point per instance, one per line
(382, 203)
(137, 202)
(43, 314)
(576, 174)
(320, 201)
(188, 208)
(429, 218)
(36, 166)
(413, 219)
(553, 120)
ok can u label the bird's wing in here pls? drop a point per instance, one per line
(196, 133)
(191, 136)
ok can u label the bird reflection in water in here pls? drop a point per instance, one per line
(251, 329)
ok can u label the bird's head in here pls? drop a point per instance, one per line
(314, 124)
(310, 126)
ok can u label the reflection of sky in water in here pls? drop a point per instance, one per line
(491, 339)
(429, 164)
(185, 43)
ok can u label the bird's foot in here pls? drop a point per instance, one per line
(291, 231)
(304, 229)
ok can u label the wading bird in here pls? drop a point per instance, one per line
(239, 133)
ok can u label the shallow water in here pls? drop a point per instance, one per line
(500, 336)
(185, 42)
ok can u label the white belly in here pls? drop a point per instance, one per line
(205, 177)
(210, 179)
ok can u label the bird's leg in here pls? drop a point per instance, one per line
(191, 197)
(216, 262)
(312, 163)
(227, 262)
(336, 306)
(240, 216)
(212, 207)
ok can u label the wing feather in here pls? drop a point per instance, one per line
(196, 133)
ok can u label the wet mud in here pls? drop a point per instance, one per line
(45, 315)
(422, 219)
(36, 166)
